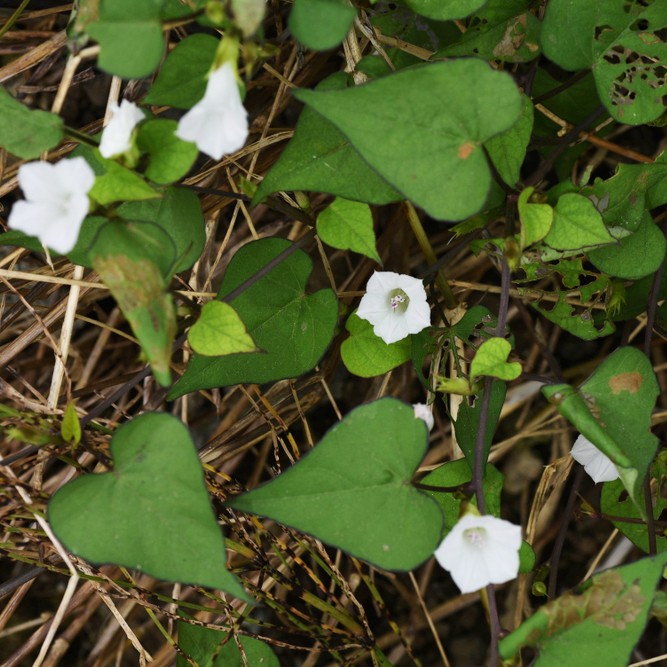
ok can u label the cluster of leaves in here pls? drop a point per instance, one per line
(447, 118)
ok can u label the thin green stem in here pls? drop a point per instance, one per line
(13, 18)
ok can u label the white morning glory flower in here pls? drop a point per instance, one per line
(396, 306)
(56, 201)
(597, 464)
(424, 412)
(218, 123)
(117, 135)
(480, 550)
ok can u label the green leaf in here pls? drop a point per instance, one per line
(444, 10)
(292, 329)
(366, 354)
(501, 30)
(615, 502)
(508, 150)
(576, 224)
(213, 648)
(598, 625)
(70, 429)
(219, 331)
(468, 421)
(27, 133)
(536, 219)
(636, 255)
(178, 212)
(613, 410)
(170, 158)
(421, 129)
(129, 516)
(621, 41)
(348, 225)
(182, 79)
(129, 33)
(319, 158)
(248, 15)
(458, 474)
(320, 24)
(491, 361)
(132, 261)
(353, 489)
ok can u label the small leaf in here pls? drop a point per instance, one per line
(320, 24)
(536, 219)
(170, 158)
(348, 225)
(27, 133)
(130, 36)
(444, 10)
(219, 331)
(182, 79)
(577, 224)
(598, 625)
(508, 150)
(129, 516)
(70, 429)
(353, 489)
(491, 360)
(421, 129)
(366, 354)
(114, 182)
(213, 648)
(248, 15)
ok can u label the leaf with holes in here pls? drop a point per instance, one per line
(130, 515)
(422, 129)
(353, 489)
(622, 41)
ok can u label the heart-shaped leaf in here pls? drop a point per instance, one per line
(170, 158)
(613, 410)
(219, 331)
(290, 328)
(422, 129)
(576, 224)
(491, 360)
(353, 489)
(151, 512)
(214, 648)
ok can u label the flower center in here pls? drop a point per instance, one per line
(476, 537)
(398, 300)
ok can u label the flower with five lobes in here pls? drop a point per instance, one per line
(218, 123)
(597, 464)
(396, 306)
(480, 550)
(117, 135)
(56, 201)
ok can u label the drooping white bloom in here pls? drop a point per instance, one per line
(424, 412)
(396, 306)
(598, 465)
(56, 201)
(117, 135)
(480, 550)
(218, 123)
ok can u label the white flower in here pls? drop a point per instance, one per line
(56, 201)
(117, 135)
(480, 550)
(396, 306)
(424, 412)
(598, 465)
(218, 123)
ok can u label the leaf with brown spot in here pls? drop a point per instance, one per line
(596, 625)
(630, 382)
